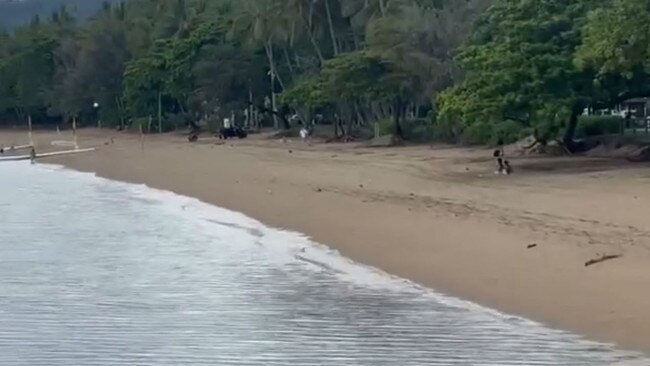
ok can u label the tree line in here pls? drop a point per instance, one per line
(465, 70)
(14, 13)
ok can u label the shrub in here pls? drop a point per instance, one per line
(445, 130)
(386, 127)
(478, 133)
(175, 121)
(141, 121)
(598, 125)
(506, 131)
(419, 130)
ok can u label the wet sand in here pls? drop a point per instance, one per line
(437, 216)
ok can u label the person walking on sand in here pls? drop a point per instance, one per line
(32, 155)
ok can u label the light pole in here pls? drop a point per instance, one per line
(96, 108)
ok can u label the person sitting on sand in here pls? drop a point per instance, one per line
(503, 167)
(500, 166)
(305, 135)
(507, 168)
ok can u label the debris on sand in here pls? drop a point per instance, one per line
(531, 246)
(602, 259)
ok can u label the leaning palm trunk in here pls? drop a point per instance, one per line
(330, 22)
(268, 46)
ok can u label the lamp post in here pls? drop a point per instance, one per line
(96, 108)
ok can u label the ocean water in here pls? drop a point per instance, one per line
(95, 272)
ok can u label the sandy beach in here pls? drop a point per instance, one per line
(437, 216)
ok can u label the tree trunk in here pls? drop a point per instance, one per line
(382, 7)
(361, 113)
(570, 130)
(308, 22)
(268, 47)
(314, 44)
(288, 60)
(20, 114)
(397, 112)
(272, 76)
(330, 22)
(120, 109)
(351, 113)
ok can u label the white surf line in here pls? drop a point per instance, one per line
(65, 152)
(19, 147)
(46, 155)
(63, 143)
(14, 158)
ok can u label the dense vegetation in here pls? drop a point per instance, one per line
(470, 70)
(14, 13)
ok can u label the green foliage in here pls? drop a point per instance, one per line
(520, 66)
(348, 78)
(491, 69)
(356, 59)
(589, 126)
(478, 133)
(506, 132)
(617, 47)
(418, 130)
(385, 127)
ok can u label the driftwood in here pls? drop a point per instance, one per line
(602, 259)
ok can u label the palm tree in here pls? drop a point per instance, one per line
(265, 22)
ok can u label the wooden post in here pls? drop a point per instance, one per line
(646, 118)
(74, 133)
(142, 134)
(159, 112)
(251, 120)
(29, 132)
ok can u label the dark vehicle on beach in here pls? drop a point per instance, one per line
(232, 132)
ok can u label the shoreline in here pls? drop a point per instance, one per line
(436, 217)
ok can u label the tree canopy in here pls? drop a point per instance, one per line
(495, 69)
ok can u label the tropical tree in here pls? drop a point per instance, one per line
(519, 67)
(616, 45)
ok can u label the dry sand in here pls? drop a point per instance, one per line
(437, 216)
